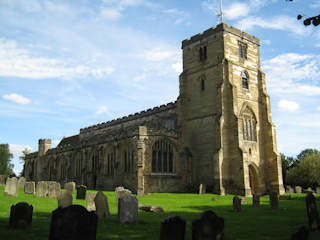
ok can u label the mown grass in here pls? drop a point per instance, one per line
(251, 223)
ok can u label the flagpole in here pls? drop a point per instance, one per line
(221, 15)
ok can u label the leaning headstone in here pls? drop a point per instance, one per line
(312, 212)
(317, 190)
(20, 215)
(53, 189)
(255, 200)
(64, 199)
(70, 186)
(2, 180)
(236, 204)
(81, 192)
(128, 209)
(301, 234)
(202, 188)
(172, 228)
(73, 223)
(90, 201)
(102, 207)
(120, 191)
(274, 202)
(11, 188)
(298, 189)
(42, 189)
(21, 182)
(30, 188)
(209, 226)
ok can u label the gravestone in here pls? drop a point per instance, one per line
(298, 189)
(91, 206)
(318, 190)
(255, 200)
(70, 186)
(73, 223)
(2, 180)
(289, 189)
(64, 199)
(149, 208)
(11, 188)
(243, 201)
(202, 189)
(30, 188)
(209, 226)
(301, 234)
(312, 212)
(42, 189)
(81, 192)
(53, 189)
(236, 204)
(172, 228)
(120, 191)
(128, 209)
(274, 202)
(20, 215)
(21, 182)
(101, 203)
(285, 197)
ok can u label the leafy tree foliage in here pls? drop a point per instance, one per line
(6, 167)
(23, 158)
(315, 20)
(305, 170)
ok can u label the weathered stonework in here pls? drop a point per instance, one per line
(218, 133)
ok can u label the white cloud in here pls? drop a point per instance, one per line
(180, 16)
(16, 98)
(287, 106)
(18, 62)
(236, 10)
(284, 23)
(157, 54)
(111, 13)
(294, 74)
(17, 149)
(266, 42)
(102, 110)
(315, 5)
(177, 67)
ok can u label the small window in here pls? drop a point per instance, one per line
(243, 50)
(245, 80)
(203, 53)
(202, 84)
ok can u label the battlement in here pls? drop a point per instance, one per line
(130, 117)
(219, 28)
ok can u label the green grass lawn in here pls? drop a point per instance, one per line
(250, 223)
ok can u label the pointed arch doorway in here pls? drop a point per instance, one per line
(254, 180)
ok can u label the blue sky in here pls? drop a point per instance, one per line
(65, 65)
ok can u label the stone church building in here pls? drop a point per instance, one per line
(218, 132)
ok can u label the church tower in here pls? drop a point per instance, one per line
(227, 135)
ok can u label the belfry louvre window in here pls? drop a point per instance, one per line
(203, 53)
(162, 157)
(242, 50)
(245, 80)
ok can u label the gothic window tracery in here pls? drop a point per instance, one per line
(162, 157)
(249, 126)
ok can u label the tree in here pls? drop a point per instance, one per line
(6, 167)
(25, 152)
(287, 163)
(307, 21)
(306, 172)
